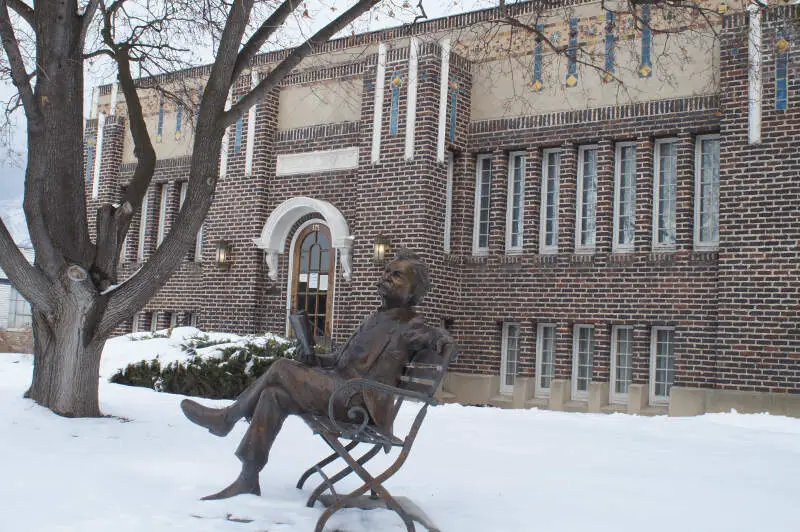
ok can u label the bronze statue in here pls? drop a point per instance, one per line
(379, 350)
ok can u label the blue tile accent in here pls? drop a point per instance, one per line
(160, 128)
(89, 161)
(453, 109)
(537, 84)
(782, 73)
(397, 82)
(237, 140)
(197, 105)
(646, 66)
(572, 53)
(608, 71)
(178, 121)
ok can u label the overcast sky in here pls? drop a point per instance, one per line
(12, 163)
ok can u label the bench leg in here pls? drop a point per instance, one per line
(341, 474)
(322, 463)
(371, 483)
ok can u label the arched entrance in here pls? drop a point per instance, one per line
(313, 266)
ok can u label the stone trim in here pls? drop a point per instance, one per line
(317, 131)
(709, 102)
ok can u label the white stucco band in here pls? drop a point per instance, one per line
(276, 231)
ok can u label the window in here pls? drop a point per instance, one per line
(448, 206)
(483, 190)
(621, 362)
(582, 358)
(162, 213)
(516, 198)
(706, 192)
(624, 197)
(173, 319)
(587, 200)
(662, 364)
(19, 310)
(665, 189)
(196, 253)
(548, 231)
(153, 316)
(545, 358)
(142, 229)
(509, 357)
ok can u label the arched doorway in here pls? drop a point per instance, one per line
(314, 263)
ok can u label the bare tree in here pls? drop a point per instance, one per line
(76, 299)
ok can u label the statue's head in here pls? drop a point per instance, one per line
(405, 281)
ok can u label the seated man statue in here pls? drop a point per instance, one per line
(379, 350)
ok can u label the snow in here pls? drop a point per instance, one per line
(472, 469)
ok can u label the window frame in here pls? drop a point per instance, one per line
(552, 249)
(508, 389)
(142, 240)
(539, 391)
(477, 249)
(162, 213)
(580, 395)
(614, 396)
(579, 246)
(698, 169)
(198, 243)
(512, 166)
(657, 400)
(448, 203)
(616, 246)
(658, 246)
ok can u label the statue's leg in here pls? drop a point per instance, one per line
(274, 405)
(220, 421)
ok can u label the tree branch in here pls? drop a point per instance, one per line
(26, 278)
(23, 10)
(292, 60)
(19, 74)
(87, 17)
(253, 45)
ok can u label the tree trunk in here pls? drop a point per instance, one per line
(66, 369)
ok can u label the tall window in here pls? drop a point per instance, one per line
(509, 357)
(483, 190)
(19, 310)
(448, 205)
(162, 213)
(516, 198)
(142, 229)
(548, 230)
(582, 359)
(706, 192)
(662, 364)
(621, 362)
(195, 253)
(665, 190)
(545, 358)
(625, 197)
(587, 199)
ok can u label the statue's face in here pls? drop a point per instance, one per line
(397, 283)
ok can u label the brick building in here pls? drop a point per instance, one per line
(595, 245)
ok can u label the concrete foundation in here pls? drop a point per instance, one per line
(470, 389)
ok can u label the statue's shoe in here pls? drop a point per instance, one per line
(244, 484)
(216, 420)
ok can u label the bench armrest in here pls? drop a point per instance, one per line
(358, 413)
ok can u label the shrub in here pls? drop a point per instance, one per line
(221, 376)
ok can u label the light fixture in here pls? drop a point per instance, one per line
(224, 254)
(382, 248)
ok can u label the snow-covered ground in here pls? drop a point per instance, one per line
(472, 469)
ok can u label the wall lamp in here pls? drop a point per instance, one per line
(223, 256)
(382, 248)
